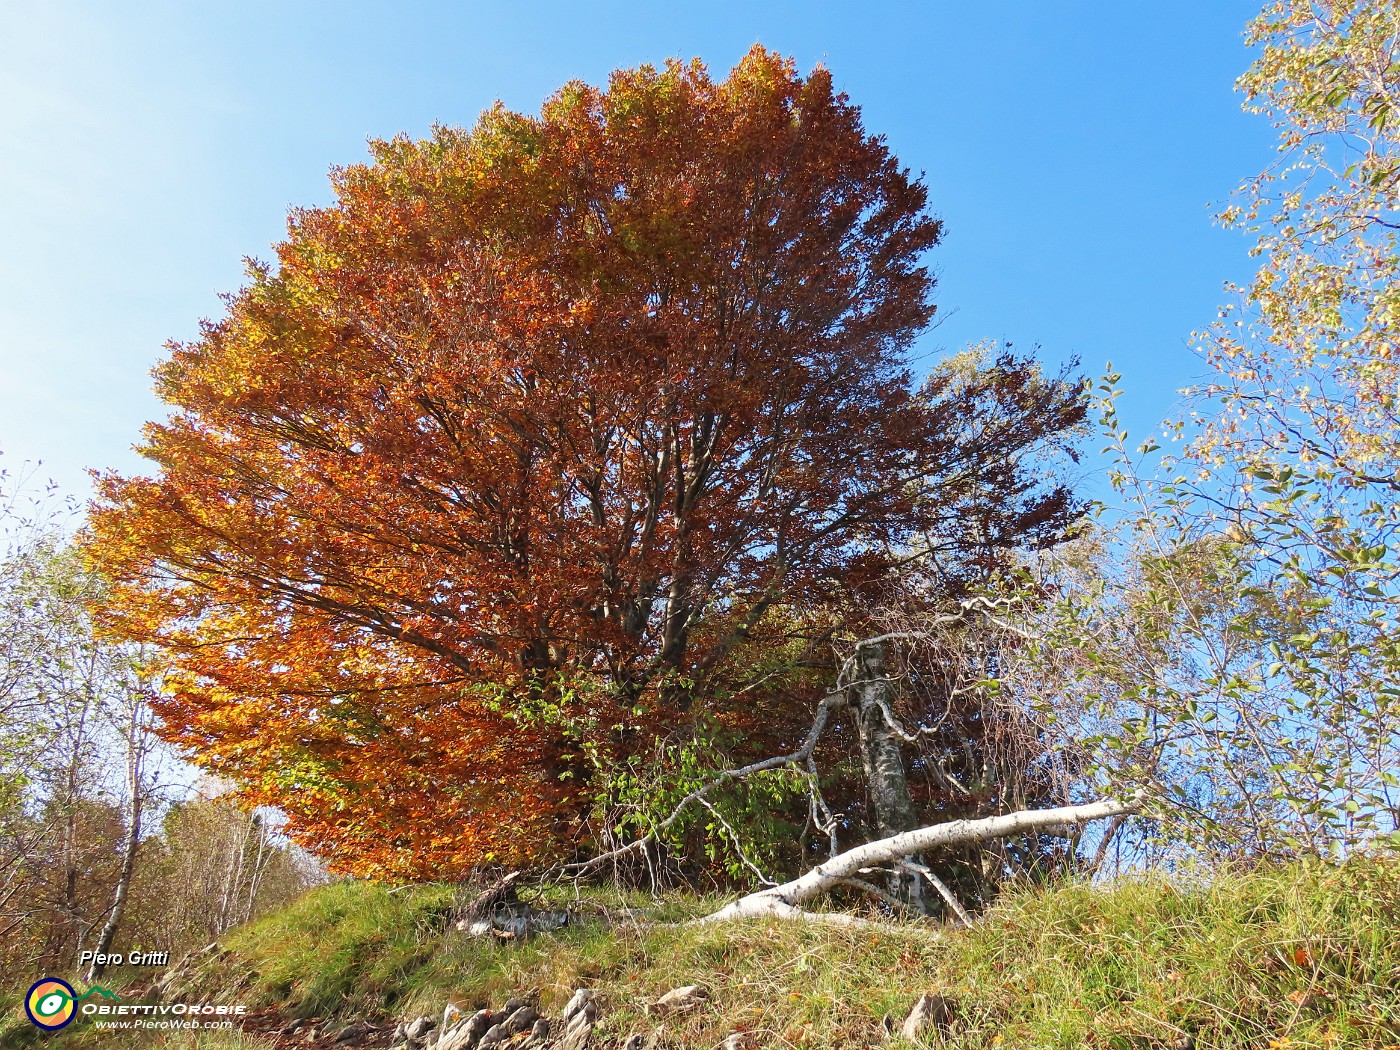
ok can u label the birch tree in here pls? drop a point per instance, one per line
(1298, 434)
(1241, 645)
(72, 818)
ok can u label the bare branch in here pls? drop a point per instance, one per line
(802, 755)
(781, 901)
(939, 885)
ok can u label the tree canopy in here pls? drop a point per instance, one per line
(1246, 648)
(531, 432)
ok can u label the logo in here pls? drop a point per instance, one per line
(52, 1003)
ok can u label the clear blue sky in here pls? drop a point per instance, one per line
(1073, 150)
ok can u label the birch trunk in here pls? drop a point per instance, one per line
(114, 917)
(136, 744)
(782, 901)
(886, 781)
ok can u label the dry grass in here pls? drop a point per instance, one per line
(1303, 956)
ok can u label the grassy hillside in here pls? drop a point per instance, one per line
(1292, 957)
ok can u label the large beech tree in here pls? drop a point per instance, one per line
(529, 434)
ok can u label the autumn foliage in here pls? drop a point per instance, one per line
(529, 436)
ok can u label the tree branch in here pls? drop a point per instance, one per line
(781, 901)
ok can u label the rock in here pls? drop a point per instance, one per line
(400, 1035)
(465, 1035)
(586, 1016)
(576, 1038)
(354, 1032)
(681, 1000)
(450, 1013)
(635, 1042)
(739, 1041)
(575, 1006)
(477, 928)
(540, 1029)
(521, 1019)
(469, 1032)
(418, 1029)
(929, 1011)
(495, 1034)
(514, 1003)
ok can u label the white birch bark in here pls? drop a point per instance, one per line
(782, 901)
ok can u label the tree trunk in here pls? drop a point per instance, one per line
(233, 873)
(137, 741)
(782, 901)
(880, 753)
(114, 918)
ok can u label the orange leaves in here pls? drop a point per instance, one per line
(535, 421)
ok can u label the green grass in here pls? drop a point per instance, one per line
(1303, 956)
(1299, 956)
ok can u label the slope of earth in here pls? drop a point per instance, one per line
(1298, 956)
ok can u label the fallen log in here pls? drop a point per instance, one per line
(782, 901)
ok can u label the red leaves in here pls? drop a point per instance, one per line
(532, 417)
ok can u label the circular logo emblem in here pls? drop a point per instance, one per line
(49, 1003)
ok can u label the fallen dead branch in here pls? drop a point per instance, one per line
(782, 901)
